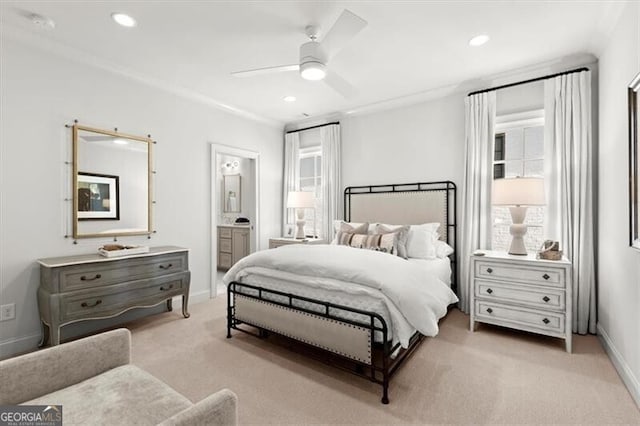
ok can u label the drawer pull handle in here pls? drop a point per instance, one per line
(86, 305)
(489, 291)
(166, 288)
(546, 276)
(489, 270)
(166, 266)
(84, 278)
(546, 298)
(546, 321)
(489, 310)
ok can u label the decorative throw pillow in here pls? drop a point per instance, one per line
(421, 240)
(386, 243)
(351, 228)
(403, 235)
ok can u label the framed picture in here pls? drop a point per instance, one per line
(634, 164)
(98, 197)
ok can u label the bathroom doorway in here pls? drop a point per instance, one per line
(234, 209)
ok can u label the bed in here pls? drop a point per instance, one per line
(369, 309)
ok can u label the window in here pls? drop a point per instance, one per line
(518, 151)
(311, 181)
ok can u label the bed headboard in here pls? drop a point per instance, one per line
(407, 204)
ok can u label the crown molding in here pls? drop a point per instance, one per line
(39, 42)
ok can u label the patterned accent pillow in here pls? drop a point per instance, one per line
(403, 235)
(350, 229)
(386, 243)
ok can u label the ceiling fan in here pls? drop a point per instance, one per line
(315, 55)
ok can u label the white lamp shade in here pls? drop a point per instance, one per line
(300, 199)
(518, 192)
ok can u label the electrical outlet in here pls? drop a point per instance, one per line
(7, 312)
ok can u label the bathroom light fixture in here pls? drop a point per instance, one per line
(123, 19)
(479, 40)
(289, 99)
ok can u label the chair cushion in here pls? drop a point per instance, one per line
(123, 395)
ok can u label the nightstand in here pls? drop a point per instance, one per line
(522, 292)
(283, 241)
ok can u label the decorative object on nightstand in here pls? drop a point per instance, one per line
(524, 293)
(300, 200)
(518, 193)
(277, 242)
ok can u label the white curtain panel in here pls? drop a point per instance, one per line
(291, 181)
(476, 188)
(331, 180)
(569, 186)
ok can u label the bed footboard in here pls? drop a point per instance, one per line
(321, 326)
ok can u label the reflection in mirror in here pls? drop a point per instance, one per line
(111, 183)
(231, 188)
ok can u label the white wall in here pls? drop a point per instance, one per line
(40, 94)
(618, 264)
(417, 143)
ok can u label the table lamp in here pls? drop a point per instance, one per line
(300, 200)
(518, 193)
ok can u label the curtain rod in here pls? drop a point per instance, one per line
(529, 81)
(312, 127)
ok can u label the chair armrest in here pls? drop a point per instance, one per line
(39, 373)
(217, 409)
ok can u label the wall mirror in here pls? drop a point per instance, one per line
(111, 183)
(231, 190)
(634, 164)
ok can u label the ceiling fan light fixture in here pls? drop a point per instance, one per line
(313, 71)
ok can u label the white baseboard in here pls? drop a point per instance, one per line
(18, 345)
(621, 366)
(199, 297)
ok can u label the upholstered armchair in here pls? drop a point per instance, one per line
(93, 380)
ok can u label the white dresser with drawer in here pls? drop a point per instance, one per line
(522, 292)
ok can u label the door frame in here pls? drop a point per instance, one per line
(238, 152)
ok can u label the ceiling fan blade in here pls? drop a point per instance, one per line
(267, 70)
(340, 85)
(345, 28)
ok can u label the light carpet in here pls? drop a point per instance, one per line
(494, 375)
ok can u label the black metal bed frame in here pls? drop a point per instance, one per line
(383, 365)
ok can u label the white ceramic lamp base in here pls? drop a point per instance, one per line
(518, 230)
(300, 224)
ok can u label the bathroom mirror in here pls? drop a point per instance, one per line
(231, 188)
(111, 183)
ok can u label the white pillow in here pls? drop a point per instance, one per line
(421, 240)
(443, 249)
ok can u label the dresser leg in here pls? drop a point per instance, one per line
(185, 308)
(169, 305)
(567, 343)
(45, 334)
(54, 333)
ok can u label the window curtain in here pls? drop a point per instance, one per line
(331, 184)
(569, 186)
(291, 181)
(475, 229)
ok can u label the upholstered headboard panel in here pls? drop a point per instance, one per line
(406, 208)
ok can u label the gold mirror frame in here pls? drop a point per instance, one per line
(74, 178)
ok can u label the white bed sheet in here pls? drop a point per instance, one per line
(441, 268)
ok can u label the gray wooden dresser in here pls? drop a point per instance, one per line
(86, 287)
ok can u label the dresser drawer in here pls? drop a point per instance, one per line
(521, 318)
(225, 245)
(546, 276)
(541, 297)
(105, 273)
(116, 299)
(224, 232)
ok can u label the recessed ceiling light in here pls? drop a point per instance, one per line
(479, 40)
(289, 99)
(123, 19)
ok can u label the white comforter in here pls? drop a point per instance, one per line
(414, 300)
